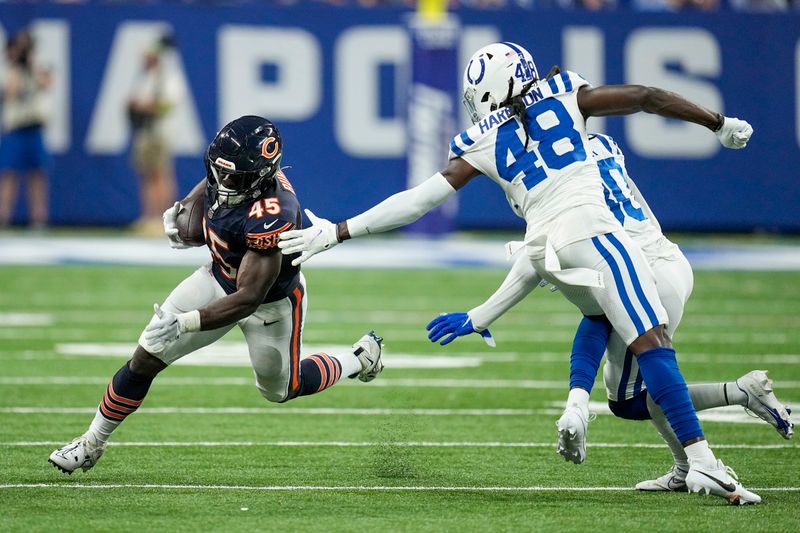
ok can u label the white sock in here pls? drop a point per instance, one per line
(699, 453)
(350, 364)
(709, 395)
(579, 398)
(661, 423)
(735, 395)
(102, 427)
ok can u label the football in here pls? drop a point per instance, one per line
(190, 218)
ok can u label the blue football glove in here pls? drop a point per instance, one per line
(456, 325)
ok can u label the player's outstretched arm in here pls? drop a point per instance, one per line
(521, 280)
(257, 272)
(627, 99)
(398, 210)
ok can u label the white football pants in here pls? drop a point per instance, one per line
(674, 282)
(273, 333)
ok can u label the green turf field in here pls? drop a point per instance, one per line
(464, 448)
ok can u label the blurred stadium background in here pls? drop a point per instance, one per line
(366, 95)
(337, 81)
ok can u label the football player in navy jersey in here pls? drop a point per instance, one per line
(248, 202)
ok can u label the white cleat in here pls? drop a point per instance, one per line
(720, 481)
(83, 452)
(368, 350)
(572, 435)
(762, 402)
(672, 481)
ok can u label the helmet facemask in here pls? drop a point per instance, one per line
(234, 187)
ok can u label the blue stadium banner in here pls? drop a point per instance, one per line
(335, 80)
(431, 119)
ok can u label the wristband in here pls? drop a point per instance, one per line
(190, 321)
(721, 123)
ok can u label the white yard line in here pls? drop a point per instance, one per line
(236, 353)
(565, 335)
(249, 381)
(727, 415)
(555, 318)
(486, 357)
(292, 411)
(328, 488)
(381, 383)
(377, 252)
(399, 444)
(11, 319)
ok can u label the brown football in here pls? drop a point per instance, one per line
(190, 219)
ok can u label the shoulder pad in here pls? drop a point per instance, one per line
(566, 82)
(284, 182)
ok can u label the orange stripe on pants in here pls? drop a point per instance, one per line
(297, 318)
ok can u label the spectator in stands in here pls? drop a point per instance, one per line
(588, 5)
(22, 148)
(676, 5)
(156, 93)
(762, 6)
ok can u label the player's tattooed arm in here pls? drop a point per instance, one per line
(627, 99)
(257, 272)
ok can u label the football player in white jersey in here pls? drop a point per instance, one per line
(529, 136)
(627, 397)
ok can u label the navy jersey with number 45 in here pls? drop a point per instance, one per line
(254, 225)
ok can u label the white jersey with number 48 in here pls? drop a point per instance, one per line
(547, 178)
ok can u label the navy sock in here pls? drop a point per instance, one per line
(587, 351)
(124, 394)
(319, 372)
(668, 389)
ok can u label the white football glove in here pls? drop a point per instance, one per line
(167, 328)
(320, 236)
(171, 229)
(734, 133)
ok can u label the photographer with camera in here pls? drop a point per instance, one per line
(155, 94)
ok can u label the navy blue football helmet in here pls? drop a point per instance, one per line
(242, 160)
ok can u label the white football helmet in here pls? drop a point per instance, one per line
(486, 78)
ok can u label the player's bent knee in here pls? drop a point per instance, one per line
(145, 363)
(632, 409)
(271, 393)
(656, 337)
(273, 397)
